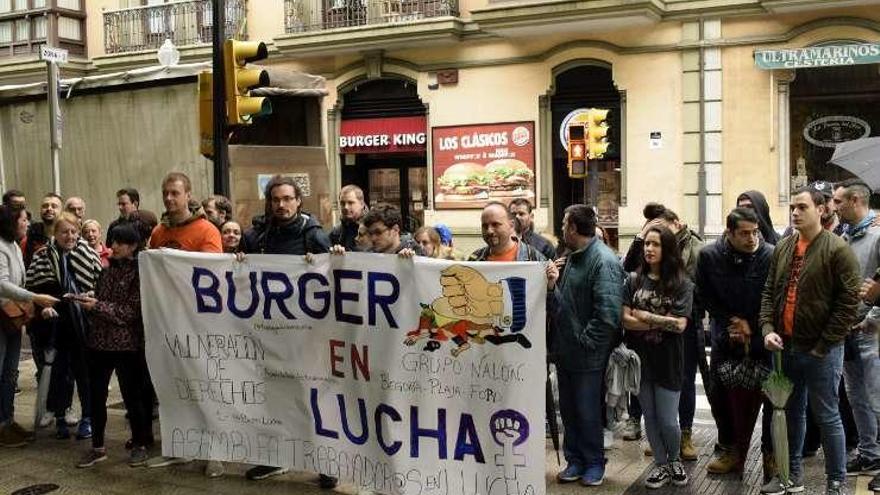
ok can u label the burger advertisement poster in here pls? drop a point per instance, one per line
(476, 164)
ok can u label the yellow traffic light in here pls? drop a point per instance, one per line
(240, 106)
(206, 114)
(577, 151)
(597, 133)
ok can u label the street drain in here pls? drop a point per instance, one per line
(36, 489)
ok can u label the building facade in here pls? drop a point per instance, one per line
(438, 106)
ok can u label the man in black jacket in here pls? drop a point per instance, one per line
(286, 230)
(755, 201)
(730, 277)
(351, 209)
(522, 209)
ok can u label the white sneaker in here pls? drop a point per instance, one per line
(47, 419)
(70, 417)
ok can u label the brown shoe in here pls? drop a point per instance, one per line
(688, 452)
(727, 462)
(11, 439)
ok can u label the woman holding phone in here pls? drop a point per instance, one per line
(65, 268)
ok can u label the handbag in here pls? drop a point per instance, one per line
(15, 314)
(743, 373)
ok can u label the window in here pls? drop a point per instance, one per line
(21, 5)
(6, 32)
(69, 28)
(5, 5)
(68, 4)
(39, 4)
(40, 26)
(22, 29)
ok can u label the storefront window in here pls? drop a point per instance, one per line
(830, 106)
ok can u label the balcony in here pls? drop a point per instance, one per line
(320, 15)
(331, 27)
(185, 23)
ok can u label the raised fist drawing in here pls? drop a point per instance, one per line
(468, 295)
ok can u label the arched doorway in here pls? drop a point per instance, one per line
(577, 88)
(383, 146)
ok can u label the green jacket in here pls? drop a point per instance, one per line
(589, 302)
(827, 292)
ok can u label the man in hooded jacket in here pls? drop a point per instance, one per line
(757, 202)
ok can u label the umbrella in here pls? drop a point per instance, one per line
(862, 158)
(778, 388)
(551, 416)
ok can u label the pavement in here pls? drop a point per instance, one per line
(48, 465)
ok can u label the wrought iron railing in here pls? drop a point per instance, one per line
(319, 15)
(183, 22)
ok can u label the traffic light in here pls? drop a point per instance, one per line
(240, 106)
(597, 133)
(206, 114)
(577, 151)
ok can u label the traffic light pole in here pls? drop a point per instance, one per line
(221, 152)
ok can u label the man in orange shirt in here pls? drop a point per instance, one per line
(806, 311)
(499, 233)
(180, 228)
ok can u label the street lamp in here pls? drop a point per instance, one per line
(168, 54)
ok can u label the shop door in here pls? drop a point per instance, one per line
(392, 181)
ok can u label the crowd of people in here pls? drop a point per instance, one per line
(806, 297)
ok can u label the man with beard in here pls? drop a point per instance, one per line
(589, 301)
(499, 233)
(40, 233)
(522, 209)
(286, 230)
(218, 209)
(730, 277)
(861, 370)
(352, 209)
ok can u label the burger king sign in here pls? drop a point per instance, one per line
(476, 164)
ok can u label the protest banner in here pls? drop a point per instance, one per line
(400, 376)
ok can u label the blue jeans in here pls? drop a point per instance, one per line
(819, 378)
(580, 396)
(10, 352)
(660, 407)
(862, 376)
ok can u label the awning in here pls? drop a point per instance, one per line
(284, 82)
(819, 56)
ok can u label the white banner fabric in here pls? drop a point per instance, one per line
(399, 376)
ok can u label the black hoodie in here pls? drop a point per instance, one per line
(762, 209)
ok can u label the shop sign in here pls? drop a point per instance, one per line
(828, 132)
(476, 164)
(819, 56)
(391, 135)
(578, 116)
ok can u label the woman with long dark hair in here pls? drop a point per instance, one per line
(116, 343)
(13, 227)
(656, 307)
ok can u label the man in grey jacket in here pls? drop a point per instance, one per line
(861, 370)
